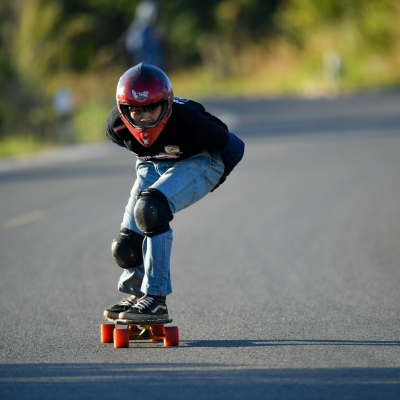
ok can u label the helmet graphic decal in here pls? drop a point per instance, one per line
(140, 96)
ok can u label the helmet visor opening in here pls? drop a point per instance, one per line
(126, 110)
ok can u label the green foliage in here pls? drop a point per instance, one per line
(89, 121)
(36, 42)
(41, 39)
(372, 23)
(11, 146)
(364, 33)
(48, 44)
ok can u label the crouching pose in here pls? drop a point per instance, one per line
(183, 153)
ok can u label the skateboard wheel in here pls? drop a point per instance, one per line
(171, 336)
(121, 338)
(157, 330)
(106, 333)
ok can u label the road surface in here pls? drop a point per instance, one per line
(286, 280)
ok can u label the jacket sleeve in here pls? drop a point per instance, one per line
(112, 128)
(232, 153)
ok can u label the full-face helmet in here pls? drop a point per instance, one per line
(141, 86)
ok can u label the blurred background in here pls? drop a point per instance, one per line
(60, 60)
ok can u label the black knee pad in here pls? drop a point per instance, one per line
(126, 248)
(152, 213)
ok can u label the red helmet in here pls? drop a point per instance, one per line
(140, 86)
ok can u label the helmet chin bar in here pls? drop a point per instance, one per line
(146, 137)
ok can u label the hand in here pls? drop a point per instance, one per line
(221, 181)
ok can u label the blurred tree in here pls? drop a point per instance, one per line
(42, 39)
(365, 34)
(213, 32)
(371, 23)
(35, 43)
(101, 42)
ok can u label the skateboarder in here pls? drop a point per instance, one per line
(183, 153)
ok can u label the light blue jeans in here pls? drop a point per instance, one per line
(183, 183)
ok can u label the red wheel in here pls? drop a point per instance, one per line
(171, 336)
(106, 333)
(121, 338)
(157, 330)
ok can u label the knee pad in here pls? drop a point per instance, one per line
(152, 213)
(126, 248)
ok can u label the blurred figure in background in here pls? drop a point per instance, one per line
(63, 106)
(332, 70)
(143, 40)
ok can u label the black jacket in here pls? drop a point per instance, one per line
(189, 130)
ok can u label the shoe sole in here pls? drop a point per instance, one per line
(110, 315)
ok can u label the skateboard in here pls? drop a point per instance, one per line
(155, 331)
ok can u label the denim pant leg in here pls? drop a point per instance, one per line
(132, 278)
(183, 183)
(188, 181)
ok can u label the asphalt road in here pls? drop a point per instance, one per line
(286, 279)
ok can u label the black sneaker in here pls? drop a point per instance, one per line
(113, 311)
(147, 308)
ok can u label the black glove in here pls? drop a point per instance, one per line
(221, 181)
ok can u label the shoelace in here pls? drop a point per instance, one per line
(128, 301)
(143, 302)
